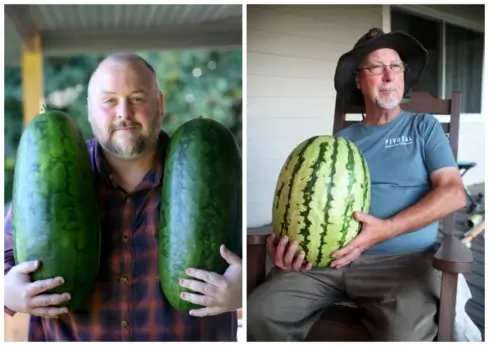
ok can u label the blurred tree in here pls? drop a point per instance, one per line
(195, 83)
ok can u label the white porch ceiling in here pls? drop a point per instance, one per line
(75, 29)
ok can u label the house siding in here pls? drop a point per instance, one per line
(291, 60)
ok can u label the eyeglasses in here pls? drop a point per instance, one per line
(380, 68)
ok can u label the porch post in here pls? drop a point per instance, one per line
(16, 327)
(32, 77)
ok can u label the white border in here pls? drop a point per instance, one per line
(386, 26)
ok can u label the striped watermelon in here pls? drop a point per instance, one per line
(323, 181)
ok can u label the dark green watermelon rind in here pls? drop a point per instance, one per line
(348, 215)
(297, 167)
(308, 193)
(200, 207)
(327, 206)
(281, 185)
(366, 183)
(54, 206)
(236, 238)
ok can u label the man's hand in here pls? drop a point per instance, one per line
(219, 293)
(285, 256)
(374, 230)
(22, 295)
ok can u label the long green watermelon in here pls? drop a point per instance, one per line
(323, 181)
(200, 204)
(54, 206)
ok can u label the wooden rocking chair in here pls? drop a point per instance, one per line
(341, 322)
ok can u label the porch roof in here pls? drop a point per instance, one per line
(74, 29)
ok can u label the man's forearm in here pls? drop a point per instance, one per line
(437, 204)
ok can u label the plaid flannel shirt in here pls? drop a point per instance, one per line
(127, 303)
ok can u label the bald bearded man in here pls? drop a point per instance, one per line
(125, 110)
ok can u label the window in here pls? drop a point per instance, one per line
(454, 60)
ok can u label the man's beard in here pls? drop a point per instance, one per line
(130, 144)
(391, 101)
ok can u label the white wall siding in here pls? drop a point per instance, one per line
(292, 55)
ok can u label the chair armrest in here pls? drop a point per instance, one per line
(453, 256)
(256, 256)
(258, 235)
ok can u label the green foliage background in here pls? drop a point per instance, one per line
(195, 83)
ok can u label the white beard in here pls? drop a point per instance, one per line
(387, 104)
(391, 101)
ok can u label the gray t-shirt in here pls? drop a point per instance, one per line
(400, 155)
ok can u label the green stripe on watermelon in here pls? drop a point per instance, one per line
(367, 188)
(200, 205)
(325, 226)
(54, 206)
(292, 180)
(347, 221)
(308, 194)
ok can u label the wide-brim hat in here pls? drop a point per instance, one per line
(412, 53)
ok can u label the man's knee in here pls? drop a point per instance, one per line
(422, 330)
(253, 306)
(416, 315)
(259, 314)
(260, 305)
(427, 334)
